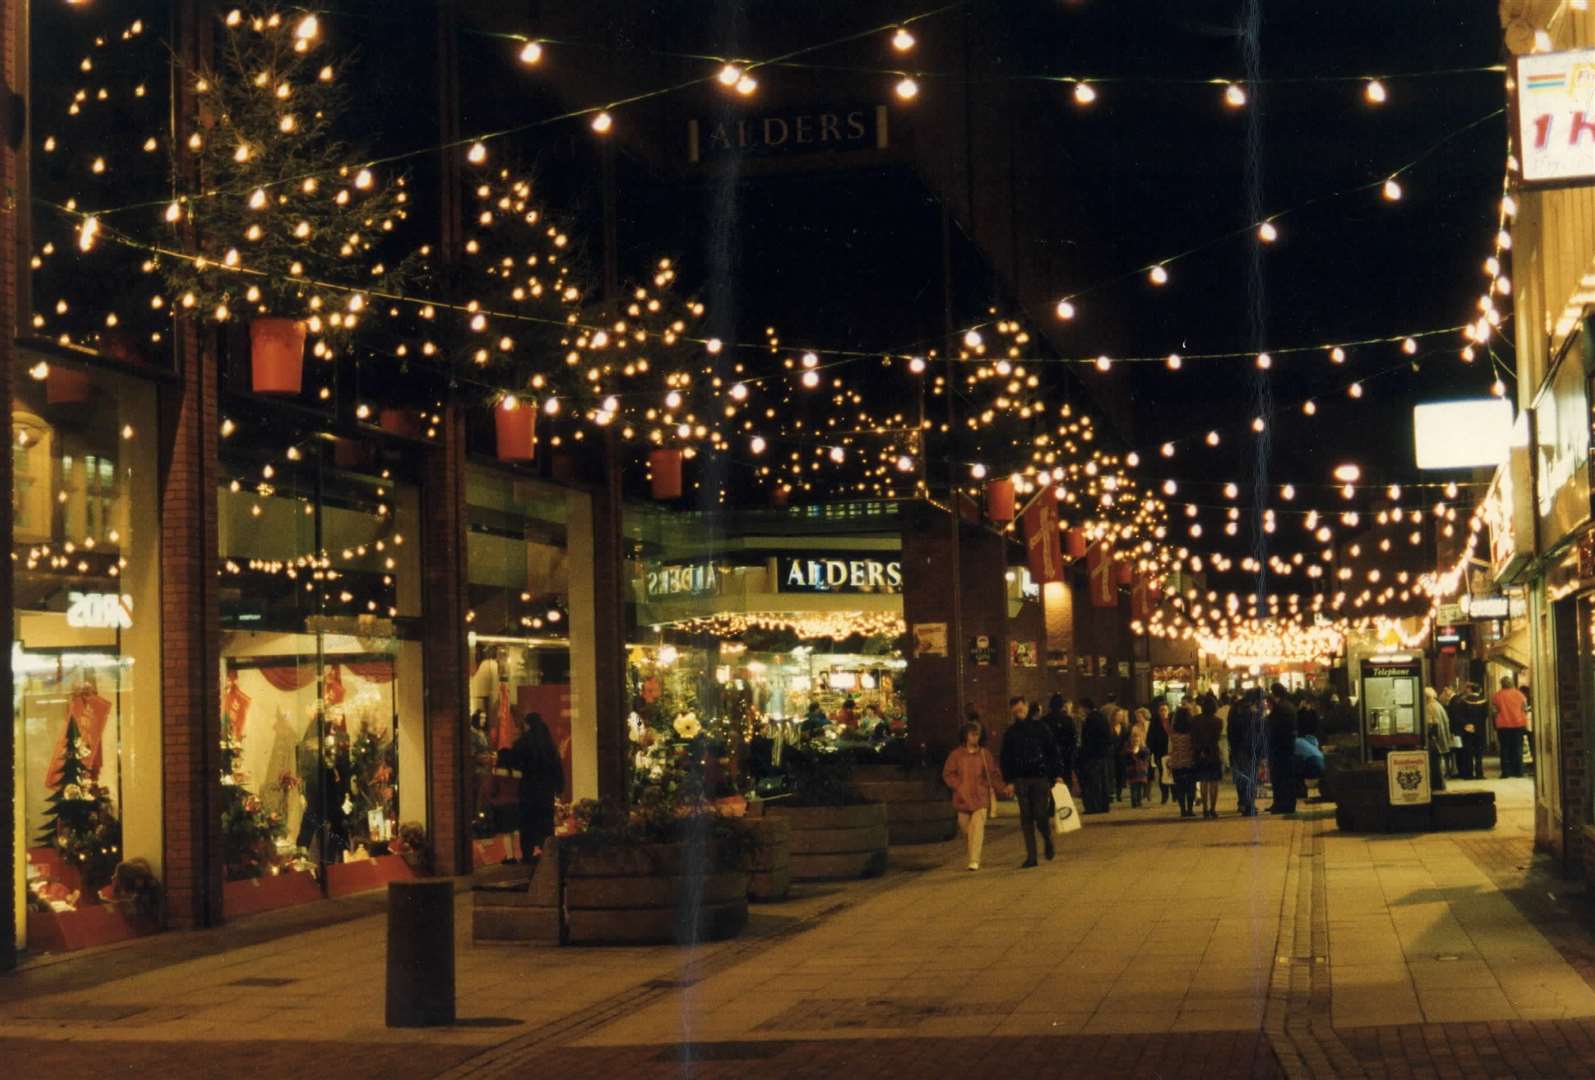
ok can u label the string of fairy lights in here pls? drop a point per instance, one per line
(695, 392)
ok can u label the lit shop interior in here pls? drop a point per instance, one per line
(322, 748)
(776, 642)
(86, 649)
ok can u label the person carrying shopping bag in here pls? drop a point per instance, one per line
(975, 780)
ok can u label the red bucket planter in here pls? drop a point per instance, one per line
(515, 429)
(276, 355)
(664, 473)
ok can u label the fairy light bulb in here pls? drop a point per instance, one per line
(837, 454)
(531, 53)
(713, 346)
(978, 471)
(1084, 93)
(1392, 190)
(1103, 363)
(1234, 95)
(1337, 355)
(1267, 232)
(1064, 310)
(902, 40)
(747, 85)
(603, 122)
(907, 89)
(477, 153)
(1212, 438)
(1258, 425)
(307, 29)
(1374, 91)
(739, 392)
(362, 179)
(1170, 487)
(1167, 449)
(905, 463)
(1264, 361)
(1174, 361)
(811, 379)
(1158, 275)
(757, 444)
(729, 75)
(1355, 390)
(917, 365)
(1498, 388)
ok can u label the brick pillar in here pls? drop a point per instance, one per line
(190, 638)
(932, 680)
(1570, 709)
(443, 639)
(15, 250)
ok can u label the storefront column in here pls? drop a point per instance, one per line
(583, 636)
(934, 709)
(609, 630)
(11, 839)
(443, 642)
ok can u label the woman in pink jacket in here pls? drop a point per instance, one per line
(973, 775)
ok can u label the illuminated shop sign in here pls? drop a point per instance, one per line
(99, 611)
(838, 575)
(664, 580)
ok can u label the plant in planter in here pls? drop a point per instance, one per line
(284, 229)
(79, 821)
(837, 834)
(249, 830)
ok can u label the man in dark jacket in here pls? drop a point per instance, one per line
(542, 780)
(1061, 724)
(1096, 759)
(1030, 763)
(1247, 747)
(1281, 734)
(1471, 712)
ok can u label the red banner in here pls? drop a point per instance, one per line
(1099, 567)
(1043, 546)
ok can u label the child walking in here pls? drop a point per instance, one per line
(1138, 765)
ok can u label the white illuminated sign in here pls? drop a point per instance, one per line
(1462, 434)
(99, 611)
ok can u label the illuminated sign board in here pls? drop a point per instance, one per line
(1554, 97)
(99, 611)
(794, 574)
(664, 580)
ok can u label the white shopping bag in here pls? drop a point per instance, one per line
(1065, 818)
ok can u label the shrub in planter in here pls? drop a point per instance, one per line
(837, 834)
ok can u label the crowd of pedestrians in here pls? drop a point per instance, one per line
(1183, 752)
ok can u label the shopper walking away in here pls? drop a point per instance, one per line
(1207, 766)
(542, 779)
(1120, 721)
(1157, 741)
(1096, 759)
(1437, 737)
(1472, 712)
(1511, 711)
(1061, 724)
(1030, 763)
(1182, 760)
(1280, 731)
(1247, 749)
(975, 780)
(1226, 705)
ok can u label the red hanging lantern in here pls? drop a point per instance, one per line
(276, 355)
(67, 386)
(1074, 543)
(515, 425)
(999, 499)
(350, 453)
(664, 469)
(400, 422)
(780, 495)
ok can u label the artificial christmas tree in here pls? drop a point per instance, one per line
(249, 830)
(78, 819)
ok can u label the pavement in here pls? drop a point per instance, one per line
(1152, 946)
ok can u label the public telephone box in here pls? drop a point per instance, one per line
(1392, 704)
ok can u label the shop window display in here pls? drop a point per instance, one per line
(321, 679)
(85, 658)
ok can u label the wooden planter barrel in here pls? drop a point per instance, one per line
(835, 843)
(514, 907)
(919, 808)
(770, 875)
(651, 894)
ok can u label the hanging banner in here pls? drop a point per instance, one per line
(1142, 602)
(1099, 574)
(1043, 544)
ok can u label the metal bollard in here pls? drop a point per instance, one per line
(420, 953)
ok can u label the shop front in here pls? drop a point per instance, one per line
(85, 656)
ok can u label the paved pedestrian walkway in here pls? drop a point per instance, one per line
(1150, 946)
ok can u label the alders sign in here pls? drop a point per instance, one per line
(788, 134)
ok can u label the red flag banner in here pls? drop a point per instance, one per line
(1043, 546)
(1140, 599)
(1099, 568)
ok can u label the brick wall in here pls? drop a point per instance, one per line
(10, 13)
(447, 666)
(1098, 633)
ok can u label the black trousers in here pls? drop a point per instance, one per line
(1096, 779)
(1033, 795)
(1282, 776)
(1511, 750)
(1245, 775)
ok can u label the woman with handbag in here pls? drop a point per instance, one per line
(1182, 760)
(1207, 764)
(975, 779)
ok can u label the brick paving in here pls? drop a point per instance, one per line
(1152, 947)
